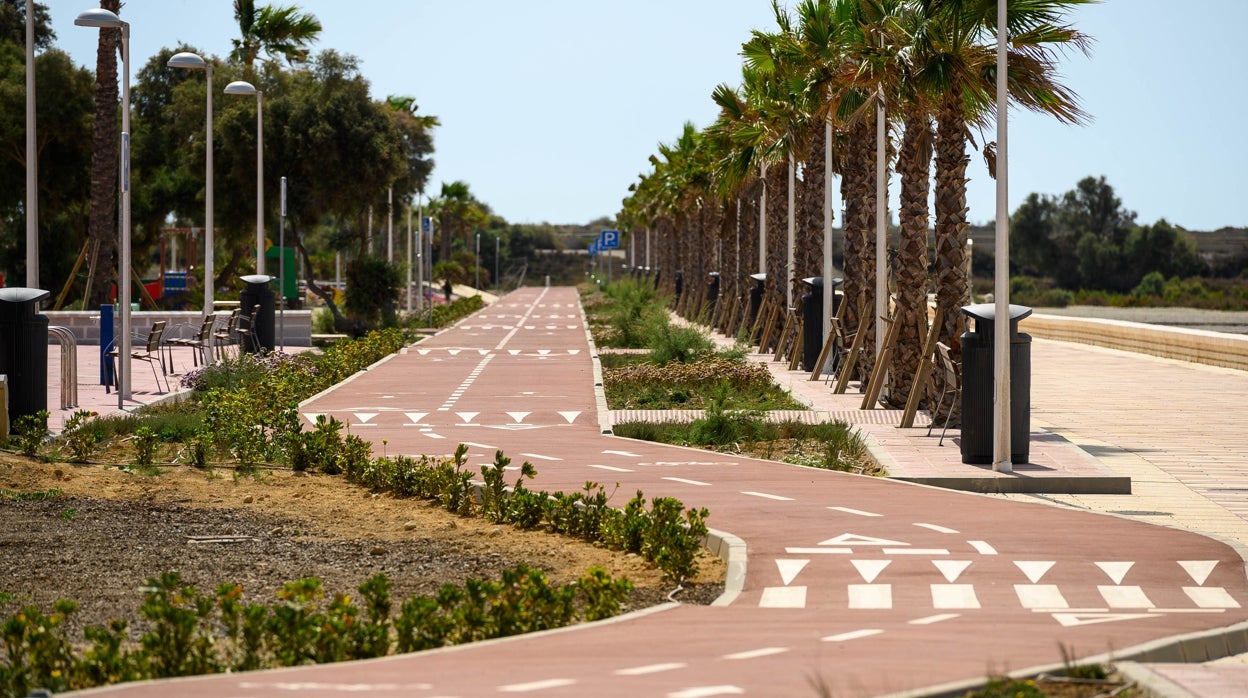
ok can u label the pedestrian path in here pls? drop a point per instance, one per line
(862, 585)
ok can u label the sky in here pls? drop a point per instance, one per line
(550, 108)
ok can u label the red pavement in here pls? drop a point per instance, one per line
(861, 585)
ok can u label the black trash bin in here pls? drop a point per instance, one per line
(978, 348)
(812, 321)
(258, 293)
(24, 350)
(756, 297)
(680, 282)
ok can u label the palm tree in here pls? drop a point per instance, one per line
(459, 213)
(279, 32)
(102, 223)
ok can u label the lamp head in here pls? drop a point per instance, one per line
(98, 17)
(241, 87)
(188, 60)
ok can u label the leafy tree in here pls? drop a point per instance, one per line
(373, 288)
(459, 214)
(63, 146)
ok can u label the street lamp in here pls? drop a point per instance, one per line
(104, 19)
(240, 87)
(191, 61)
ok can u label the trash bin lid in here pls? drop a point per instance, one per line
(816, 281)
(713, 273)
(761, 276)
(988, 311)
(21, 294)
(837, 281)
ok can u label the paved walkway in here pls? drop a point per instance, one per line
(860, 585)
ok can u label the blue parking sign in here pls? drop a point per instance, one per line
(610, 239)
(426, 224)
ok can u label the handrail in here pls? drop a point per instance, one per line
(69, 365)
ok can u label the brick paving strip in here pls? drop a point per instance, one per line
(861, 585)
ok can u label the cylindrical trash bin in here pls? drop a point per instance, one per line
(756, 297)
(258, 293)
(978, 358)
(680, 282)
(812, 321)
(24, 350)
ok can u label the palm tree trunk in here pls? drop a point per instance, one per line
(102, 223)
(952, 280)
(777, 238)
(859, 191)
(914, 166)
(808, 260)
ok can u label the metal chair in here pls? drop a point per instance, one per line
(226, 336)
(246, 332)
(953, 384)
(150, 352)
(201, 341)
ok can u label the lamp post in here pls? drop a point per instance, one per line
(191, 61)
(240, 87)
(103, 19)
(32, 158)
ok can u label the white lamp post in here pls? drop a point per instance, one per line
(191, 61)
(240, 87)
(103, 19)
(32, 158)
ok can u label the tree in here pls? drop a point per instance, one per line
(279, 32)
(459, 213)
(102, 226)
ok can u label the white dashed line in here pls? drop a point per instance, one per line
(852, 635)
(764, 495)
(688, 482)
(755, 654)
(649, 669)
(539, 456)
(612, 468)
(536, 685)
(939, 618)
(855, 512)
(934, 527)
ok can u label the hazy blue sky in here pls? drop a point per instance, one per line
(549, 108)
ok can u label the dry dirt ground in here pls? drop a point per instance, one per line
(110, 530)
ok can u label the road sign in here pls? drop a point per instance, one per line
(609, 239)
(593, 247)
(426, 224)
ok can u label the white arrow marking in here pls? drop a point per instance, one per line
(574, 351)
(467, 416)
(755, 654)
(433, 435)
(952, 569)
(518, 416)
(934, 527)
(423, 352)
(1124, 596)
(570, 415)
(649, 669)
(1199, 569)
(1210, 597)
(477, 445)
(543, 352)
(855, 539)
(708, 692)
(483, 352)
(627, 454)
(852, 635)
(536, 685)
(783, 597)
(1115, 570)
(513, 352)
(416, 416)
(982, 548)
(311, 416)
(870, 569)
(789, 569)
(1037, 596)
(954, 596)
(855, 512)
(454, 352)
(1070, 620)
(1035, 571)
(365, 416)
